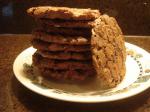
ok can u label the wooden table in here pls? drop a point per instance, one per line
(14, 97)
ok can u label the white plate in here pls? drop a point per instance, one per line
(136, 80)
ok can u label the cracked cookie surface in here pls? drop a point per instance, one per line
(108, 51)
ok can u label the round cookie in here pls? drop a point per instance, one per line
(66, 75)
(65, 55)
(84, 32)
(60, 39)
(65, 23)
(41, 45)
(108, 51)
(63, 13)
(40, 62)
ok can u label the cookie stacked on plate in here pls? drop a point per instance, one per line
(62, 40)
(75, 43)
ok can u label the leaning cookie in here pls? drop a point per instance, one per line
(108, 51)
(63, 13)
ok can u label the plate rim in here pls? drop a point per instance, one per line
(84, 100)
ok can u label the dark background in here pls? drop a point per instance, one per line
(132, 15)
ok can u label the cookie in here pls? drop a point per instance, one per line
(66, 75)
(40, 62)
(41, 45)
(65, 55)
(60, 39)
(65, 23)
(85, 32)
(108, 51)
(63, 13)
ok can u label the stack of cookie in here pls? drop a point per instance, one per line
(75, 43)
(62, 40)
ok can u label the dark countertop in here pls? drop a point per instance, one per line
(14, 97)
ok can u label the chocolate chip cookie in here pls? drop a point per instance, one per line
(84, 32)
(60, 39)
(65, 23)
(66, 75)
(42, 45)
(65, 55)
(40, 62)
(63, 13)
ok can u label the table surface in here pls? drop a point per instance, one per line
(14, 97)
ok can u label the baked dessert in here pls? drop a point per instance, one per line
(66, 23)
(65, 55)
(61, 39)
(70, 75)
(51, 46)
(58, 64)
(73, 44)
(66, 31)
(63, 13)
(108, 51)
